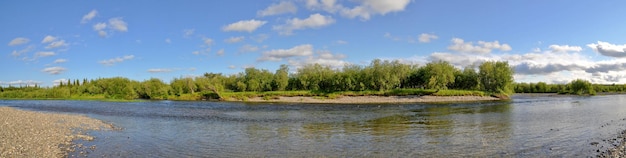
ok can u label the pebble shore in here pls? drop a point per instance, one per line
(38, 134)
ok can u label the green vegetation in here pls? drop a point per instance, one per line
(576, 87)
(380, 78)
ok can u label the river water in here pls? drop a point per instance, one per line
(527, 126)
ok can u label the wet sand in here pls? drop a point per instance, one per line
(376, 99)
(37, 134)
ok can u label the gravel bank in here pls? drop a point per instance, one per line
(376, 99)
(36, 134)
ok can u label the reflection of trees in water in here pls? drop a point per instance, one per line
(444, 127)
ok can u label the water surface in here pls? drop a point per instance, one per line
(563, 126)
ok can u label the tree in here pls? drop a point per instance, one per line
(468, 79)
(153, 89)
(496, 77)
(580, 87)
(281, 78)
(438, 75)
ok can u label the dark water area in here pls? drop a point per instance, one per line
(527, 126)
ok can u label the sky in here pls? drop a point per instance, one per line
(553, 41)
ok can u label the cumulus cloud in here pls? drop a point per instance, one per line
(18, 41)
(220, 52)
(29, 83)
(159, 70)
(426, 38)
(608, 49)
(565, 48)
(111, 62)
(188, 32)
(260, 37)
(248, 48)
(208, 41)
(235, 39)
(280, 8)
(244, 25)
(44, 54)
(280, 54)
(87, 17)
(54, 70)
(48, 39)
(325, 58)
(60, 61)
(99, 27)
(330, 6)
(56, 44)
(313, 21)
(232, 66)
(17, 53)
(482, 47)
(118, 24)
(370, 7)
(59, 81)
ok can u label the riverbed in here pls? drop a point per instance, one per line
(528, 126)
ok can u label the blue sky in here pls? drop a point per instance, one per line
(553, 41)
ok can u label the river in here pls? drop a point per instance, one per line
(526, 126)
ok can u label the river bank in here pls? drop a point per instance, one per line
(372, 99)
(36, 134)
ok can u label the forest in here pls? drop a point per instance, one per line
(380, 77)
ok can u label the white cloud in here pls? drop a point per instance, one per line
(113, 61)
(565, 48)
(17, 53)
(54, 70)
(168, 41)
(118, 24)
(89, 16)
(188, 32)
(325, 58)
(208, 41)
(60, 61)
(44, 54)
(231, 67)
(99, 27)
(341, 42)
(260, 37)
(18, 41)
(220, 52)
(29, 83)
(248, 48)
(313, 21)
(159, 70)
(244, 25)
(195, 52)
(235, 39)
(608, 49)
(56, 44)
(280, 54)
(370, 7)
(59, 81)
(48, 39)
(280, 8)
(192, 69)
(426, 38)
(482, 47)
(330, 6)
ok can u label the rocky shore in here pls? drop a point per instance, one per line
(37, 134)
(376, 99)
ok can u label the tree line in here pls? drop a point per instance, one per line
(577, 86)
(379, 75)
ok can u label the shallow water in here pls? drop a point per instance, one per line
(563, 126)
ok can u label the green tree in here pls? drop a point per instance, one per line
(580, 87)
(281, 78)
(496, 76)
(438, 75)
